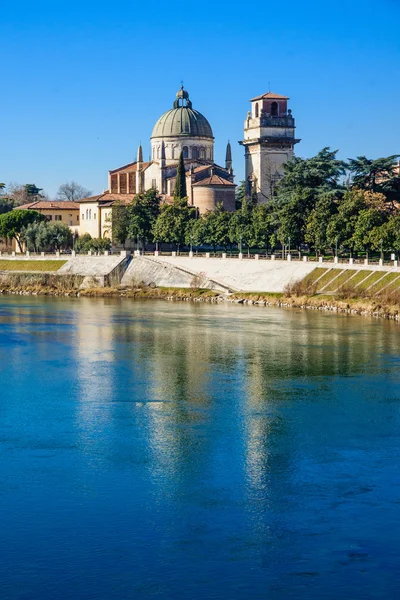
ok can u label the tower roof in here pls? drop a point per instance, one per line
(270, 96)
(182, 120)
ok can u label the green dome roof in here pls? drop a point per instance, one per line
(182, 120)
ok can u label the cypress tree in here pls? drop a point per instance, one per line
(180, 182)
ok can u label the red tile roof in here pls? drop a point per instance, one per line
(270, 96)
(214, 180)
(130, 168)
(108, 197)
(50, 205)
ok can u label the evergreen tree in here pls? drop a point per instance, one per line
(180, 181)
(14, 223)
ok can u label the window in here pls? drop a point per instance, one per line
(202, 153)
(58, 218)
(77, 218)
(185, 152)
(256, 111)
(94, 215)
(195, 152)
(154, 184)
(83, 217)
(274, 109)
(49, 218)
(87, 213)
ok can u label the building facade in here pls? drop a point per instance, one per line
(269, 140)
(57, 212)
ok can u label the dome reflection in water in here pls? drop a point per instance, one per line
(185, 451)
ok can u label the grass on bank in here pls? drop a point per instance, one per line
(150, 292)
(31, 265)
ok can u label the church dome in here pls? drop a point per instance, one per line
(182, 120)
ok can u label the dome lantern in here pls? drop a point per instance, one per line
(182, 120)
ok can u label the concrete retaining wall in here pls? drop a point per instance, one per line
(216, 273)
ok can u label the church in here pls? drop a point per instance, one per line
(180, 129)
(269, 139)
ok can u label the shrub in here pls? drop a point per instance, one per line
(199, 280)
(349, 290)
(86, 243)
(300, 287)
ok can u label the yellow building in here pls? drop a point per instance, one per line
(57, 211)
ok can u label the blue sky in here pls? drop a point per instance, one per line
(84, 82)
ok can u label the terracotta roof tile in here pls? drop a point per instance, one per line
(270, 96)
(50, 205)
(108, 197)
(130, 168)
(214, 180)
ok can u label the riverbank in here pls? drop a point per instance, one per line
(355, 306)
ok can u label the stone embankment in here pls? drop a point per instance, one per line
(258, 282)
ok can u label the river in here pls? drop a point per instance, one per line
(190, 451)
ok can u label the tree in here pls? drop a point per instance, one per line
(304, 183)
(2, 186)
(83, 242)
(14, 223)
(6, 204)
(36, 236)
(321, 171)
(119, 222)
(240, 194)
(263, 225)
(60, 236)
(217, 226)
(195, 232)
(387, 235)
(141, 215)
(173, 221)
(24, 194)
(318, 221)
(86, 243)
(369, 174)
(368, 220)
(343, 224)
(72, 191)
(241, 226)
(180, 181)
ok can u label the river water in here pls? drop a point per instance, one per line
(187, 451)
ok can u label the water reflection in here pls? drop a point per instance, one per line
(250, 442)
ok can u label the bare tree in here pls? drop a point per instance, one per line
(24, 194)
(71, 190)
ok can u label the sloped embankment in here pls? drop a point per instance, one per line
(365, 283)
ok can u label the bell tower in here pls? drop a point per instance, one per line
(269, 139)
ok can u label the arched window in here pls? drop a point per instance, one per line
(87, 213)
(185, 152)
(90, 213)
(195, 152)
(158, 152)
(256, 111)
(274, 109)
(202, 153)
